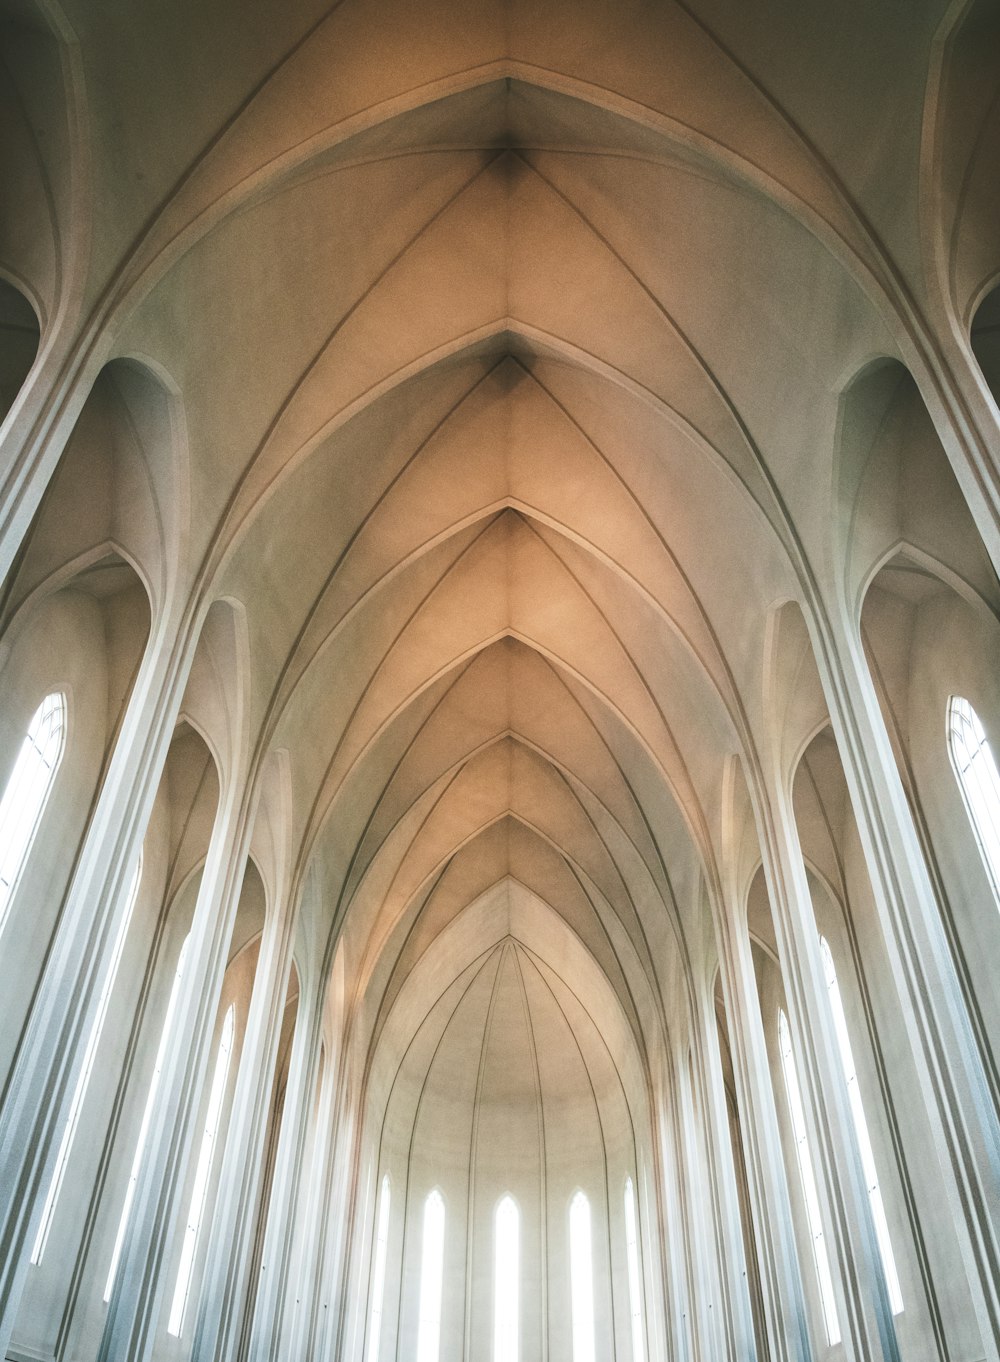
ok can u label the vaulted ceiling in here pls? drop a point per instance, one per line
(510, 341)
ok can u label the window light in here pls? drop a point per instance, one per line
(506, 1281)
(978, 779)
(431, 1280)
(27, 790)
(581, 1274)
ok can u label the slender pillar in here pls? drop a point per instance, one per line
(866, 1315)
(778, 1266)
(312, 1199)
(35, 431)
(286, 1199)
(133, 1311)
(223, 1290)
(703, 1284)
(736, 1323)
(50, 1054)
(961, 1108)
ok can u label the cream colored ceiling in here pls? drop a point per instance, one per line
(510, 340)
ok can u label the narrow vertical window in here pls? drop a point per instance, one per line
(431, 1279)
(27, 790)
(861, 1131)
(506, 1281)
(634, 1275)
(378, 1270)
(808, 1180)
(202, 1174)
(581, 1277)
(147, 1116)
(80, 1091)
(978, 779)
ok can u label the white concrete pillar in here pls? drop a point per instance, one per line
(34, 432)
(778, 1265)
(681, 1318)
(48, 1061)
(966, 418)
(133, 1316)
(960, 1107)
(309, 1300)
(227, 1262)
(288, 1196)
(735, 1322)
(863, 1306)
(700, 1248)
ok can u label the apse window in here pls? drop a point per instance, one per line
(581, 1276)
(147, 1116)
(979, 780)
(506, 1280)
(378, 1270)
(807, 1178)
(861, 1130)
(80, 1091)
(431, 1279)
(634, 1275)
(204, 1171)
(27, 791)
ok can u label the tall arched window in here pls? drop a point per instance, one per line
(80, 1091)
(147, 1116)
(431, 1279)
(202, 1174)
(378, 1270)
(27, 790)
(506, 1280)
(861, 1130)
(979, 780)
(808, 1180)
(581, 1277)
(634, 1274)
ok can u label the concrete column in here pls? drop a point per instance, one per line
(735, 1319)
(35, 431)
(700, 1255)
(865, 1313)
(287, 1194)
(223, 1289)
(778, 1265)
(966, 418)
(133, 1317)
(41, 1086)
(681, 1331)
(310, 1304)
(960, 1106)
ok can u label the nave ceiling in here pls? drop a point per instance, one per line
(507, 353)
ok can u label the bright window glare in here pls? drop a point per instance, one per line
(27, 790)
(506, 1281)
(634, 1275)
(808, 1179)
(378, 1272)
(80, 1092)
(861, 1131)
(202, 1175)
(979, 780)
(431, 1280)
(147, 1116)
(581, 1272)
